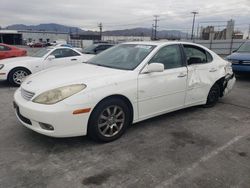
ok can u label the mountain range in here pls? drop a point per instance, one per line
(75, 30)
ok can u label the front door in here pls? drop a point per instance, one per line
(160, 92)
(63, 56)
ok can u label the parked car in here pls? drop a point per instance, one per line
(240, 58)
(125, 84)
(70, 46)
(96, 48)
(16, 69)
(7, 51)
(56, 42)
(37, 45)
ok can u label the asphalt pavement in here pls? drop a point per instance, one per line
(194, 147)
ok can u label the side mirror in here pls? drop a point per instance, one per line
(51, 57)
(153, 67)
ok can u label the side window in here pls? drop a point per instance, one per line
(169, 56)
(106, 47)
(196, 55)
(100, 48)
(4, 48)
(71, 53)
(61, 53)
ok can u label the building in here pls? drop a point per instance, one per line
(209, 32)
(43, 36)
(15, 37)
(10, 37)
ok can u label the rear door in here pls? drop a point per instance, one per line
(202, 73)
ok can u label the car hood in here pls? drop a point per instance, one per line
(16, 60)
(66, 75)
(239, 56)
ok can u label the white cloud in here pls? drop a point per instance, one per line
(117, 14)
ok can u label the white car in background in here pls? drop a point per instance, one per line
(128, 83)
(14, 70)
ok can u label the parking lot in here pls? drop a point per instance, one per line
(194, 147)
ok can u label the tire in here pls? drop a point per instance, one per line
(213, 95)
(109, 120)
(16, 75)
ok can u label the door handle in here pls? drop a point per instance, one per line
(73, 59)
(181, 75)
(213, 70)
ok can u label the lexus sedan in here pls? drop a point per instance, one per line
(241, 58)
(125, 84)
(7, 51)
(14, 70)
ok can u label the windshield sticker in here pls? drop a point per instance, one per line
(144, 47)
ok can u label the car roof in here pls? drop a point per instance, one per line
(104, 44)
(159, 43)
(163, 43)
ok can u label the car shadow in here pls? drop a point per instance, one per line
(242, 76)
(5, 84)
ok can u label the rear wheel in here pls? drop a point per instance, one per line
(109, 120)
(213, 95)
(17, 75)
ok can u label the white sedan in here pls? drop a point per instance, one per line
(125, 84)
(14, 70)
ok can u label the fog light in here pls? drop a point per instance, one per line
(46, 126)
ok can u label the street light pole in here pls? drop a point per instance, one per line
(192, 35)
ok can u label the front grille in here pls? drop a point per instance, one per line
(27, 95)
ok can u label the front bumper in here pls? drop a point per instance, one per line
(3, 75)
(229, 83)
(59, 115)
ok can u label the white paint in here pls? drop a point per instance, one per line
(150, 94)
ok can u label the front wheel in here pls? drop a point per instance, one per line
(213, 95)
(109, 120)
(17, 75)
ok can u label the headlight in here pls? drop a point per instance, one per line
(55, 95)
(1, 66)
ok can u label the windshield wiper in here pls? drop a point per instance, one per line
(101, 65)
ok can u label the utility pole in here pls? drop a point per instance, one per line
(155, 26)
(198, 29)
(248, 32)
(152, 32)
(100, 27)
(192, 35)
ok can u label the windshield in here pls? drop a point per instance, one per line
(89, 49)
(124, 56)
(41, 52)
(244, 47)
